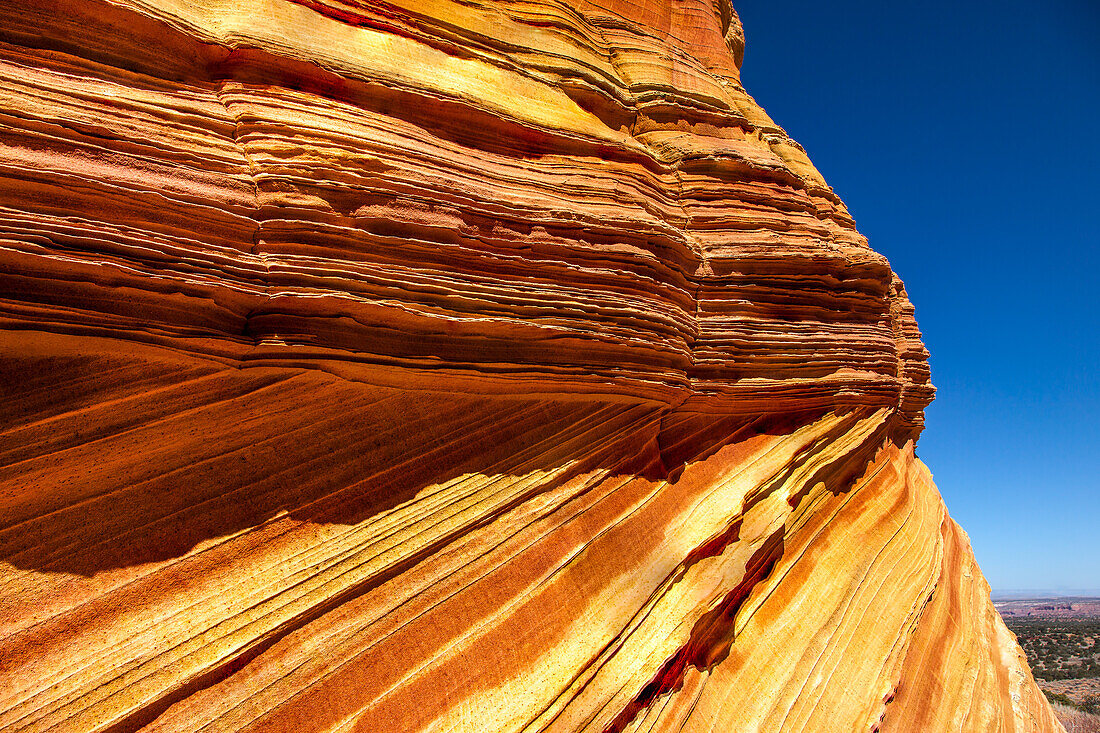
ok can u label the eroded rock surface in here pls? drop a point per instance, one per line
(439, 365)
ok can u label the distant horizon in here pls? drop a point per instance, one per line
(1030, 594)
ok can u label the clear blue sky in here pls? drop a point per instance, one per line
(965, 139)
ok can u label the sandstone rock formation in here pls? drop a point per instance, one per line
(475, 365)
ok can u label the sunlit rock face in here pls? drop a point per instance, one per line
(475, 366)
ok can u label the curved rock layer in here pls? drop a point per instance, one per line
(439, 365)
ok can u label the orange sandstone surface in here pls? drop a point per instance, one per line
(454, 365)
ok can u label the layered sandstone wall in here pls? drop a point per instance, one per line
(401, 366)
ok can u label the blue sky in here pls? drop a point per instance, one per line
(965, 139)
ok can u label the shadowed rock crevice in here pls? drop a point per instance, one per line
(711, 637)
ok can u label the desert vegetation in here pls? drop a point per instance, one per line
(1060, 649)
(1076, 721)
(1064, 654)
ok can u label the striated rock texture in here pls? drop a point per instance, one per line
(496, 365)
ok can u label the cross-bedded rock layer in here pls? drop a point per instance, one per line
(407, 366)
